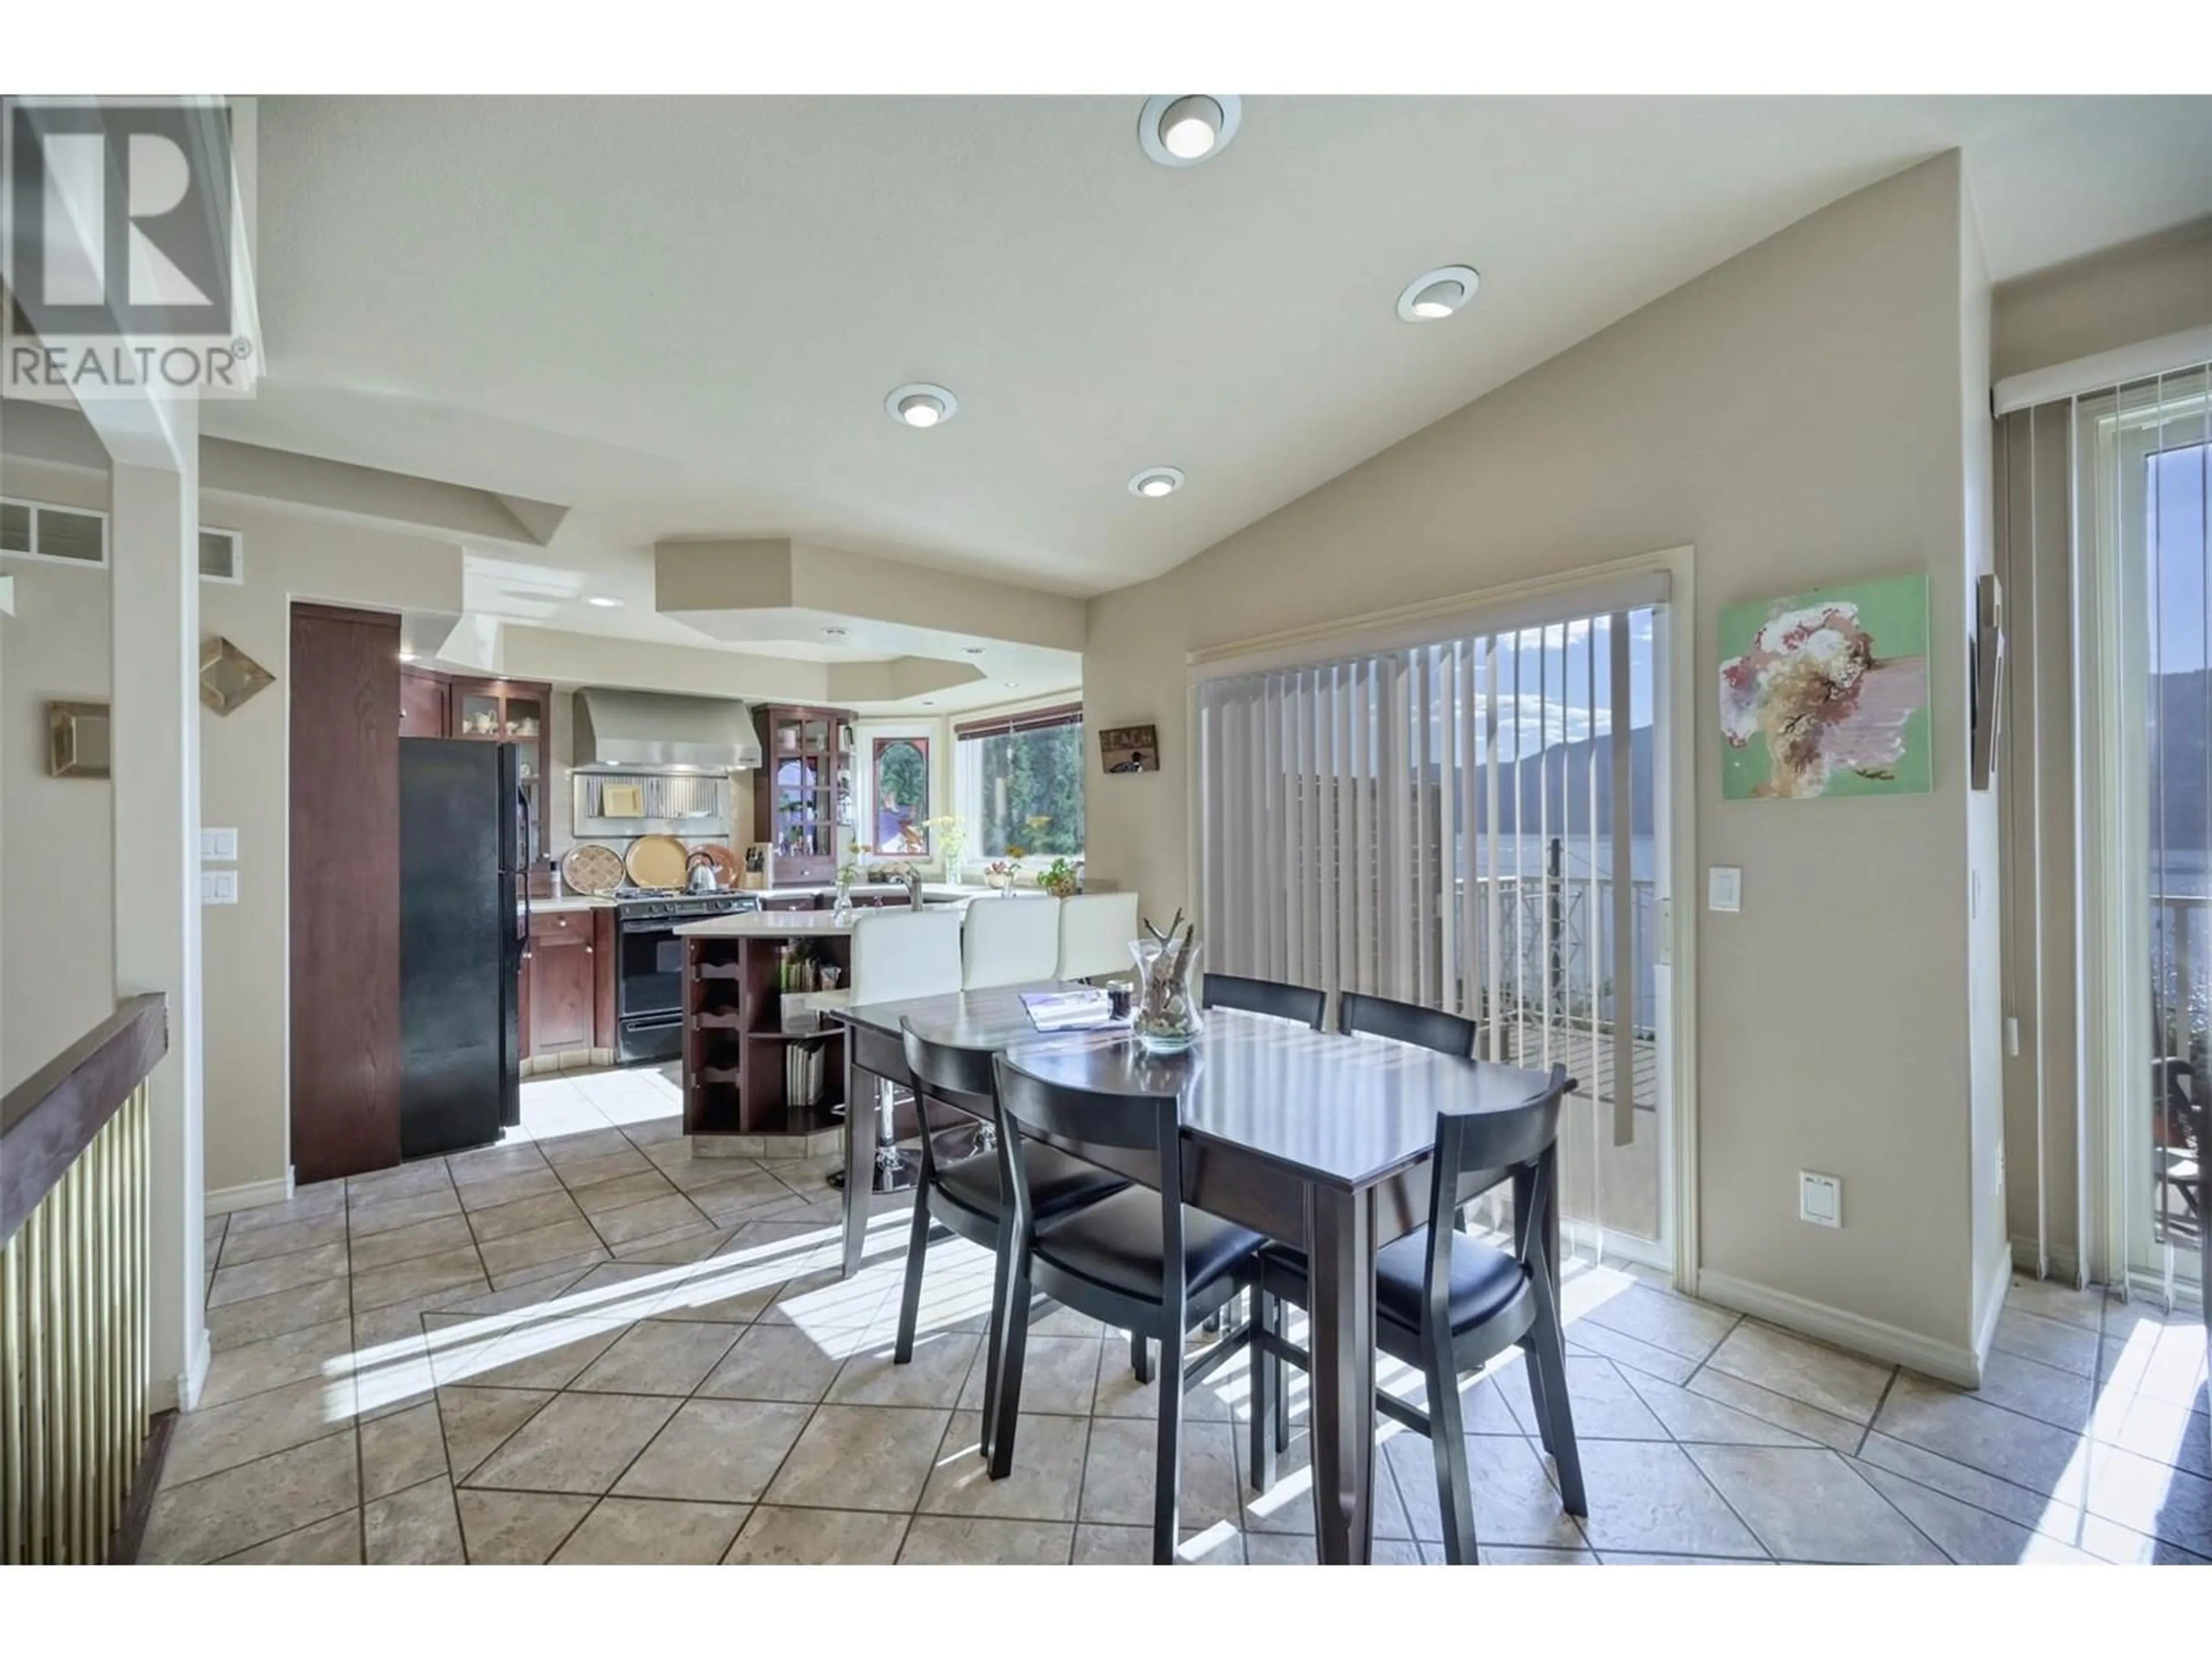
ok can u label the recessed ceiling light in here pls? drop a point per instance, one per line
(1180, 129)
(407, 656)
(929, 703)
(836, 633)
(1437, 294)
(604, 601)
(973, 650)
(1155, 482)
(921, 404)
(1010, 685)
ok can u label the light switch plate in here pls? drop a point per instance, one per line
(1725, 888)
(1820, 1199)
(218, 887)
(218, 846)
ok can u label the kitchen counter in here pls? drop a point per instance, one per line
(781, 924)
(569, 901)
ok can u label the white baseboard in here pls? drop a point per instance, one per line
(2058, 1262)
(1992, 1305)
(223, 1199)
(182, 1394)
(1948, 1361)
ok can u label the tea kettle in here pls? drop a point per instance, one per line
(704, 878)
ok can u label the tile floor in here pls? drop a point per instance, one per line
(586, 1345)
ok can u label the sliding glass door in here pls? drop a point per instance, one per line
(1474, 823)
(2144, 454)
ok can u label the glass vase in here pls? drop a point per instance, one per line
(1165, 1017)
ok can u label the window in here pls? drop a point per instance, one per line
(1021, 780)
(222, 557)
(65, 535)
(900, 772)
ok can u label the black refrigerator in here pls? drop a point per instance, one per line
(464, 918)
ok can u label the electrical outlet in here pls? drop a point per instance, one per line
(1820, 1199)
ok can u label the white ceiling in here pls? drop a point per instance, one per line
(680, 317)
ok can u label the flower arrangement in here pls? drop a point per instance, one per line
(952, 841)
(1001, 874)
(1061, 879)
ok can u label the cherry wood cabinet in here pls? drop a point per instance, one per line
(425, 710)
(432, 704)
(560, 995)
(803, 793)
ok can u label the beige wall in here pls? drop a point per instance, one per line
(56, 963)
(2143, 291)
(56, 861)
(1797, 415)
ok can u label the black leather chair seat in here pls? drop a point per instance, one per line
(1484, 1282)
(1115, 1244)
(1057, 1182)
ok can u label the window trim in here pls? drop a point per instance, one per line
(36, 508)
(237, 578)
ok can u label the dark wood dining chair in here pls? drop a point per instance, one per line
(1447, 1305)
(1265, 996)
(963, 1195)
(1358, 1014)
(1142, 1260)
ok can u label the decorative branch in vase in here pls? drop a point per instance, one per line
(951, 835)
(1167, 1020)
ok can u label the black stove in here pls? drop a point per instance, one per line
(646, 904)
(649, 965)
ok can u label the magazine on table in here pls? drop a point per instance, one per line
(1068, 1010)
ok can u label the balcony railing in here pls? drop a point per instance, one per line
(2181, 1064)
(74, 1287)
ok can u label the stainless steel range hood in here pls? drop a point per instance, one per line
(653, 732)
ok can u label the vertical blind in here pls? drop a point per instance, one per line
(2102, 501)
(1466, 824)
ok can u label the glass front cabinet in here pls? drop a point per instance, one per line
(804, 794)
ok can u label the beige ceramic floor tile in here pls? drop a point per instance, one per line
(1837, 1433)
(860, 1458)
(1059, 1377)
(774, 1362)
(1692, 1417)
(1650, 1498)
(1117, 1480)
(580, 1442)
(415, 1527)
(1808, 1504)
(449, 1270)
(278, 1272)
(1514, 1501)
(1673, 1323)
(653, 1531)
(657, 1358)
(205, 1520)
(1987, 1438)
(314, 1350)
(656, 1217)
(332, 1543)
(2063, 1398)
(306, 1204)
(1970, 1536)
(1599, 1400)
(402, 1450)
(500, 1192)
(259, 1243)
(1287, 1505)
(368, 1219)
(1046, 1484)
(516, 1529)
(1835, 1382)
(258, 1319)
(946, 1541)
(403, 1181)
(781, 1537)
(476, 1422)
(639, 1186)
(934, 1377)
(718, 1451)
(2051, 1342)
(538, 1247)
(222, 1437)
(525, 1215)
(439, 1236)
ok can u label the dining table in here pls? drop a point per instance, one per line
(1317, 1139)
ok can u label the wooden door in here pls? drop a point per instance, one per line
(345, 892)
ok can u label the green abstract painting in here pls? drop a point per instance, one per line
(1826, 694)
